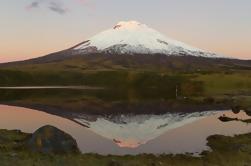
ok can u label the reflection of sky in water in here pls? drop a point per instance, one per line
(145, 133)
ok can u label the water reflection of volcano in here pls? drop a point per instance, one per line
(117, 123)
(156, 134)
(132, 131)
(128, 124)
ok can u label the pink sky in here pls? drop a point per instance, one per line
(224, 28)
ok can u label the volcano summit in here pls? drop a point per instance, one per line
(132, 37)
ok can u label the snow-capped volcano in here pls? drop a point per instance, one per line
(132, 37)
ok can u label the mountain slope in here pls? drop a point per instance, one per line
(132, 45)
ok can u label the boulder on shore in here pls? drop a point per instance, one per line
(49, 139)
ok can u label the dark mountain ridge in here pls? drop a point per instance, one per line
(179, 62)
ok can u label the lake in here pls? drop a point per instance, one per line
(127, 125)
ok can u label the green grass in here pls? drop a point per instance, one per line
(135, 72)
(119, 79)
(220, 84)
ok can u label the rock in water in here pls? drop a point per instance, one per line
(49, 139)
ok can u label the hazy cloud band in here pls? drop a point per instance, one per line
(53, 5)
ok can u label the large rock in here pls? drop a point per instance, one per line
(49, 139)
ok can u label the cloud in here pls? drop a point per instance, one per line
(53, 5)
(34, 4)
(57, 7)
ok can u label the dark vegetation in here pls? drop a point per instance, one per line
(115, 79)
(225, 118)
(108, 101)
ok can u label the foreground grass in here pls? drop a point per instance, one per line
(226, 151)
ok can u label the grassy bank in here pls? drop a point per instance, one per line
(130, 78)
(208, 91)
(204, 83)
(224, 84)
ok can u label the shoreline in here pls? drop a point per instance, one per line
(51, 87)
(224, 149)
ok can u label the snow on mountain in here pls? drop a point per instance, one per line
(132, 37)
(133, 131)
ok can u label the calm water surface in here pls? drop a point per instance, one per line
(130, 134)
